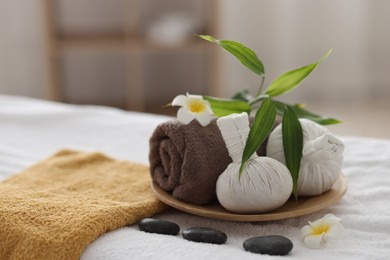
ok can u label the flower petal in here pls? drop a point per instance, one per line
(317, 233)
(336, 230)
(180, 100)
(306, 231)
(208, 107)
(317, 223)
(184, 116)
(204, 118)
(314, 241)
(195, 96)
(330, 219)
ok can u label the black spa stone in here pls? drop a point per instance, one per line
(270, 245)
(205, 235)
(158, 226)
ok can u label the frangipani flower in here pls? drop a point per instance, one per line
(193, 107)
(317, 233)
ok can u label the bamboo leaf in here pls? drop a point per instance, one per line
(243, 95)
(245, 55)
(224, 107)
(292, 144)
(257, 99)
(262, 126)
(289, 80)
(280, 107)
(303, 113)
(207, 38)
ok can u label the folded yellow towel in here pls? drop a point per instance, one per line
(54, 209)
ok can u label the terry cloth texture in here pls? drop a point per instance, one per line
(54, 209)
(188, 159)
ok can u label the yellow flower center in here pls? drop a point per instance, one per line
(196, 106)
(320, 229)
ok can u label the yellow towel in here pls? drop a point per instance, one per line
(54, 209)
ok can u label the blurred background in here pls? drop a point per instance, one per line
(139, 54)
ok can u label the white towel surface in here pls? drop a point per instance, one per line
(31, 130)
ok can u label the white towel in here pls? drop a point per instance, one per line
(31, 130)
(365, 211)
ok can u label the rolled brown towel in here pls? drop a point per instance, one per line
(187, 160)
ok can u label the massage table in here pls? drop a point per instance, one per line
(32, 130)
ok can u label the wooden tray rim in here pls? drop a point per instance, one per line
(304, 205)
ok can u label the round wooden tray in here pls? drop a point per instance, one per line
(292, 208)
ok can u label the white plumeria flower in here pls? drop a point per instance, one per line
(193, 107)
(316, 234)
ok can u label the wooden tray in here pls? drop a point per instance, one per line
(292, 208)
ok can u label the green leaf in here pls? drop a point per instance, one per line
(224, 107)
(289, 80)
(257, 99)
(262, 126)
(243, 95)
(280, 107)
(245, 55)
(303, 113)
(207, 38)
(292, 144)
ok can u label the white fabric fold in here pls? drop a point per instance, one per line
(31, 130)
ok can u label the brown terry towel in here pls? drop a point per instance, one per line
(54, 209)
(188, 159)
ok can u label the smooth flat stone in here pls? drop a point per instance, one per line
(158, 226)
(205, 235)
(270, 245)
